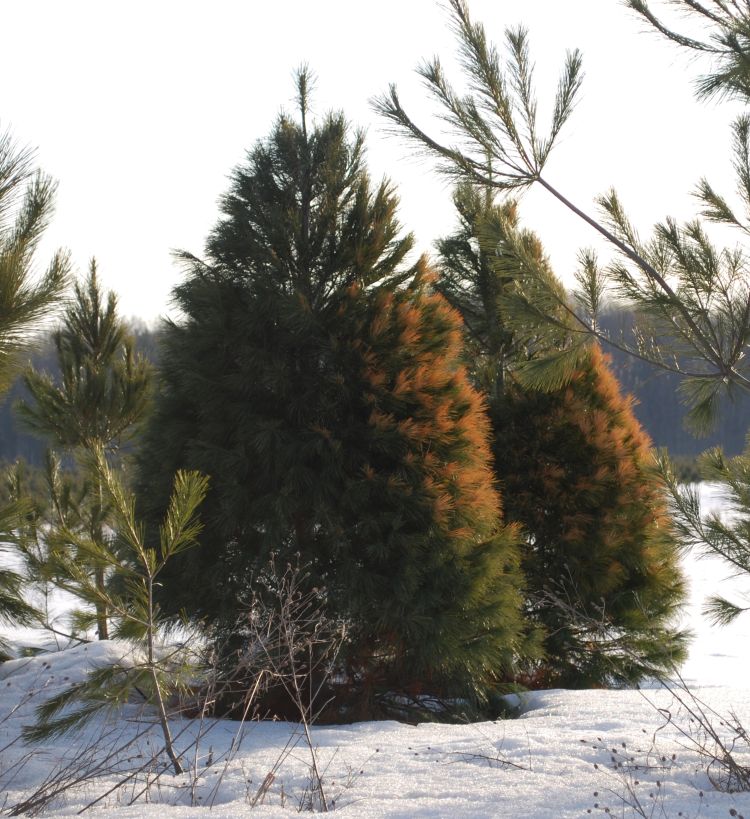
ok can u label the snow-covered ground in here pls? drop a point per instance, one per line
(568, 754)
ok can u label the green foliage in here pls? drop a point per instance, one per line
(16, 441)
(702, 316)
(727, 44)
(302, 218)
(331, 411)
(658, 404)
(103, 387)
(154, 674)
(420, 562)
(724, 536)
(480, 276)
(13, 607)
(691, 294)
(498, 123)
(47, 499)
(246, 379)
(101, 395)
(572, 461)
(601, 561)
(26, 200)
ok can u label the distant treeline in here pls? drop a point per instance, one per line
(657, 405)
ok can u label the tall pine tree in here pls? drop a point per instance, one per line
(317, 396)
(245, 375)
(421, 562)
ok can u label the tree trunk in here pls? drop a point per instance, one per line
(102, 626)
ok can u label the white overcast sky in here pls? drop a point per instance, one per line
(141, 109)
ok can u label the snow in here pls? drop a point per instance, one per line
(554, 760)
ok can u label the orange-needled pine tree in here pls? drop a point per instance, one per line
(601, 556)
(428, 570)
(600, 560)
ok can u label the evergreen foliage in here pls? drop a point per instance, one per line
(103, 386)
(420, 563)
(722, 536)
(657, 400)
(601, 557)
(657, 404)
(480, 277)
(727, 44)
(692, 295)
(721, 281)
(154, 674)
(26, 202)
(14, 609)
(245, 375)
(573, 464)
(17, 442)
(331, 412)
(101, 394)
(50, 499)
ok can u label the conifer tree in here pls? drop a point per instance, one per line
(481, 266)
(691, 296)
(601, 559)
(421, 564)
(571, 462)
(155, 675)
(313, 424)
(245, 376)
(102, 394)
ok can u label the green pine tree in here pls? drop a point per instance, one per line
(154, 675)
(101, 395)
(692, 297)
(245, 376)
(263, 389)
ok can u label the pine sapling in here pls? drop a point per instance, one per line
(97, 401)
(137, 565)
